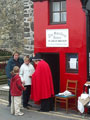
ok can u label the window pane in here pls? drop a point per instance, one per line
(56, 17)
(72, 62)
(63, 16)
(63, 6)
(56, 6)
(58, 11)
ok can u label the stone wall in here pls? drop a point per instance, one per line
(28, 26)
(16, 25)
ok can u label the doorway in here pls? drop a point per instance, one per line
(53, 60)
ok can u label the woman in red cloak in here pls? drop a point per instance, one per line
(42, 84)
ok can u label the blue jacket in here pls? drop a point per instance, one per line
(9, 67)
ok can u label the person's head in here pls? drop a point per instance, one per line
(15, 70)
(37, 58)
(26, 60)
(16, 55)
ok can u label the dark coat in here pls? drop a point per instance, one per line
(9, 67)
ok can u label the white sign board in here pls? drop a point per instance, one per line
(73, 62)
(57, 38)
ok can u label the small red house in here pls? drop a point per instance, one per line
(60, 35)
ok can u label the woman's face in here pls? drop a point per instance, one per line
(16, 56)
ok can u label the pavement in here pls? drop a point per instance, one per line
(71, 115)
(4, 92)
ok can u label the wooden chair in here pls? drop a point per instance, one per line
(71, 86)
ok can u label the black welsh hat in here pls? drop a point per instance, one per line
(37, 57)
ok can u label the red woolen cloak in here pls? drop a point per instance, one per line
(42, 84)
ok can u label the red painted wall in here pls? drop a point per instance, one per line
(76, 23)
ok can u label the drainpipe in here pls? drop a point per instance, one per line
(84, 3)
(87, 42)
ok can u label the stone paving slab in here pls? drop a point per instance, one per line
(4, 92)
(4, 87)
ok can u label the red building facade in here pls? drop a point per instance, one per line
(66, 62)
